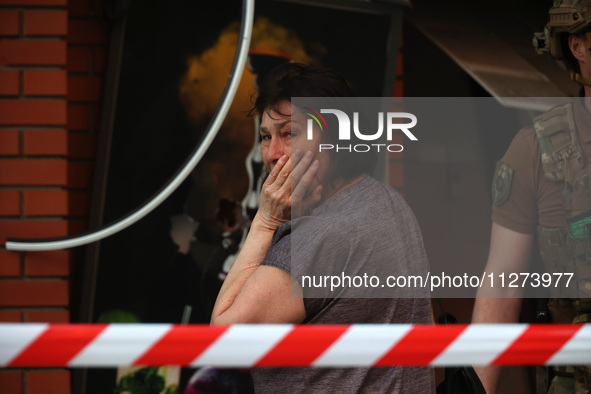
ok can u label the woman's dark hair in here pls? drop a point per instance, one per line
(298, 80)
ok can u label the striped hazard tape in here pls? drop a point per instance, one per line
(100, 345)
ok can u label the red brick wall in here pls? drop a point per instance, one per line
(52, 58)
(87, 45)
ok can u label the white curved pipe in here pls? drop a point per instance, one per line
(180, 177)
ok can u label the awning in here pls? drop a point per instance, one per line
(496, 52)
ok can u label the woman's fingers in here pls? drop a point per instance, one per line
(308, 175)
(289, 187)
(300, 161)
(293, 169)
(276, 170)
(279, 177)
(274, 201)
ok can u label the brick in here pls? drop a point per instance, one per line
(46, 203)
(79, 204)
(94, 118)
(50, 263)
(34, 293)
(84, 89)
(78, 175)
(78, 58)
(46, 142)
(99, 60)
(10, 204)
(8, 255)
(45, 83)
(11, 382)
(33, 112)
(9, 142)
(33, 172)
(77, 226)
(48, 382)
(32, 52)
(48, 258)
(79, 8)
(9, 269)
(9, 317)
(32, 229)
(82, 146)
(10, 263)
(9, 23)
(61, 316)
(33, 2)
(396, 177)
(86, 31)
(78, 117)
(9, 82)
(82, 116)
(46, 23)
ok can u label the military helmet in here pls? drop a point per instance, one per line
(565, 17)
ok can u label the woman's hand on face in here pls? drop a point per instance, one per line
(277, 198)
(306, 191)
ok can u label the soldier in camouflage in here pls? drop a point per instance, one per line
(541, 195)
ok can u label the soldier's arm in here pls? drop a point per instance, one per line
(510, 251)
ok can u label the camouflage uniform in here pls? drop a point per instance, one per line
(565, 156)
(567, 249)
(541, 183)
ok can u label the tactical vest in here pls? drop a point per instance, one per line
(567, 249)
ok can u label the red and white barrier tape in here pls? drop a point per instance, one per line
(97, 345)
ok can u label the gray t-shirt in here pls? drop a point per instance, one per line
(365, 229)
